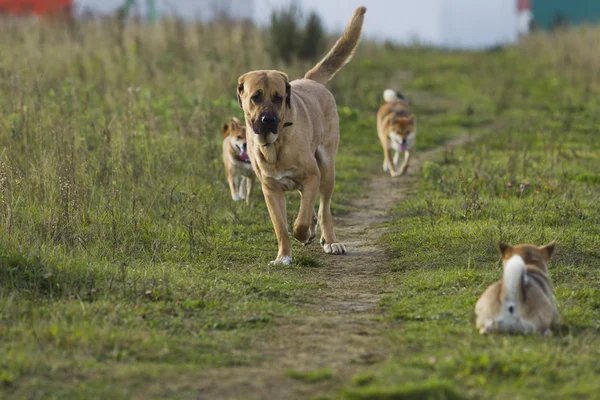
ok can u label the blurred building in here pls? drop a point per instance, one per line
(555, 13)
(36, 7)
(456, 24)
(461, 24)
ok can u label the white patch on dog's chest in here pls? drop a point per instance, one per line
(396, 141)
(283, 179)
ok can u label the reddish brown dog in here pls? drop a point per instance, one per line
(522, 301)
(397, 129)
(238, 169)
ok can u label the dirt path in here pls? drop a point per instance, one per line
(341, 326)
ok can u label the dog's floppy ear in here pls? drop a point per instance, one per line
(288, 94)
(240, 89)
(505, 249)
(288, 90)
(547, 250)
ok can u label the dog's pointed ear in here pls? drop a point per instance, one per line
(505, 250)
(240, 89)
(288, 90)
(547, 250)
(225, 129)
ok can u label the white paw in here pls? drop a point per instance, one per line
(386, 168)
(285, 260)
(235, 197)
(548, 333)
(334, 248)
(487, 328)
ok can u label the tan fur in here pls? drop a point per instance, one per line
(341, 52)
(240, 175)
(537, 309)
(297, 151)
(395, 122)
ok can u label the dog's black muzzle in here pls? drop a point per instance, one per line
(267, 123)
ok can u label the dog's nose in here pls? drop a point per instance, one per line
(270, 119)
(404, 141)
(244, 145)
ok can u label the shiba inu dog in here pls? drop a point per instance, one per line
(240, 175)
(397, 131)
(522, 301)
(293, 136)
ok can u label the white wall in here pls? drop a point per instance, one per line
(396, 20)
(447, 23)
(478, 23)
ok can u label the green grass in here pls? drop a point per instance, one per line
(425, 391)
(121, 252)
(123, 259)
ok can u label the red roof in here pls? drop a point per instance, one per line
(39, 7)
(523, 5)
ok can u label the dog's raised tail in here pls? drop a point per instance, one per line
(342, 51)
(514, 280)
(391, 96)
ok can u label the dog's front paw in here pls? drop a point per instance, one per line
(334, 248)
(236, 197)
(386, 167)
(312, 236)
(285, 260)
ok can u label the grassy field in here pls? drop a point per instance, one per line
(533, 176)
(123, 259)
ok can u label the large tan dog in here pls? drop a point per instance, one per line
(522, 302)
(397, 129)
(293, 135)
(240, 175)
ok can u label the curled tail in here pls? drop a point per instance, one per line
(391, 96)
(514, 281)
(342, 51)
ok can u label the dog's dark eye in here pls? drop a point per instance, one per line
(277, 99)
(239, 137)
(256, 97)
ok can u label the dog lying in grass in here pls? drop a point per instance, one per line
(238, 169)
(522, 301)
(397, 131)
(293, 135)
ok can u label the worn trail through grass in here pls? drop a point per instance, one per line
(339, 330)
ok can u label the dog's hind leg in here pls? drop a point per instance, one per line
(304, 227)
(328, 239)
